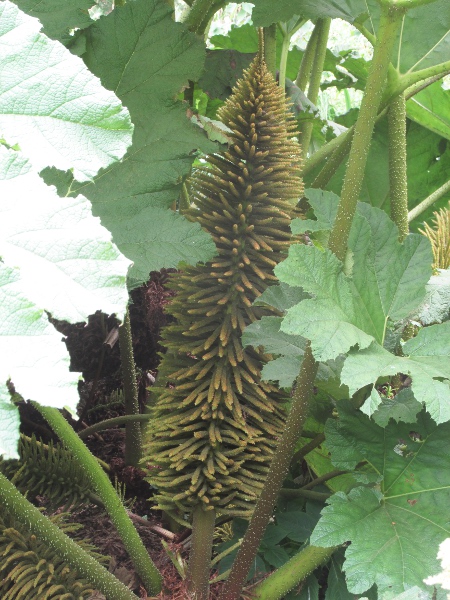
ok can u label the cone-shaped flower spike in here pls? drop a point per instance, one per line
(215, 423)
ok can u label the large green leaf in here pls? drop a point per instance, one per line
(222, 70)
(426, 360)
(33, 357)
(423, 47)
(59, 18)
(431, 109)
(336, 585)
(388, 281)
(387, 284)
(146, 58)
(51, 105)
(401, 407)
(68, 266)
(395, 530)
(436, 305)
(66, 258)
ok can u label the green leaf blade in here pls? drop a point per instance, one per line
(147, 59)
(66, 257)
(33, 354)
(59, 18)
(52, 106)
(394, 531)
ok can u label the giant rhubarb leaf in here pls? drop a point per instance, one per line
(66, 258)
(395, 531)
(351, 313)
(68, 267)
(146, 58)
(59, 19)
(32, 356)
(426, 360)
(51, 105)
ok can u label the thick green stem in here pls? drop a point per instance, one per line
(277, 473)
(270, 48)
(307, 448)
(323, 30)
(283, 60)
(307, 494)
(304, 72)
(101, 484)
(194, 19)
(390, 21)
(185, 201)
(133, 437)
(397, 165)
(435, 72)
(339, 147)
(77, 558)
(277, 585)
(110, 423)
(432, 198)
(200, 555)
(410, 84)
(333, 163)
(324, 152)
(203, 28)
(323, 479)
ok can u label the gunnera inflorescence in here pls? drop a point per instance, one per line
(30, 570)
(215, 423)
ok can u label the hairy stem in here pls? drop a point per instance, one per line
(200, 555)
(270, 48)
(279, 583)
(333, 163)
(101, 484)
(323, 28)
(205, 25)
(283, 59)
(133, 438)
(185, 201)
(304, 72)
(77, 558)
(307, 494)
(397, 165)
(277, 472)
(194, 19)
(390, 21)
(110, 423)
(410, 84)
(309, 447)
(323, 479)
(429, 201)
(435, 73)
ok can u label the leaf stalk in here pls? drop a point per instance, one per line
(279, 583)
(323, 30)
(77, 558)
(390, 21)
(100, 482)
(277, 472)
(133, 437)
